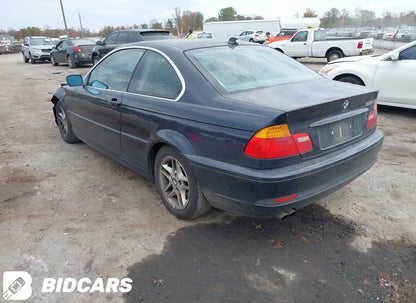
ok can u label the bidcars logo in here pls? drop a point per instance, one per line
(17, 285)
(86, 285)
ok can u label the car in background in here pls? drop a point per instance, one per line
(126, 36)
(72, 52)
(253, 36)
(4, 47)
(253, 138)
(393, 74)
(204, 35)
(285, 34)
(36, 48)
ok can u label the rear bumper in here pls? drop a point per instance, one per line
(253, 192)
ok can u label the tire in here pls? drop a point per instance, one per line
(71, 63)
(26, 60)
(64, 125)
(33, 61)
(251, 40)
(351, 79)
(95, 60)
(54, 63)
(177, 186)
(333, 55)
(279, 50)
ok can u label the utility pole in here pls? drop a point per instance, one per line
(63, 15)
(80, 22)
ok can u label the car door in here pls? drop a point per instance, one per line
(396, 79)
(154, 87)
(95, 109)
(60, 53)
(298, 46)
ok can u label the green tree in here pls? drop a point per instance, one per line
(212, 19)
(227, 14)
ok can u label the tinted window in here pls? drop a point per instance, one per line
(131, 37)
(408, 54)
(247, 67)
(156, 35)
(116, 70)
(156, 77)
(112, 39)
(122, 38)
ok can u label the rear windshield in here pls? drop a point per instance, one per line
(233, 69)
(156, 35)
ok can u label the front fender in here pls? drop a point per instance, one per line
(58, 96)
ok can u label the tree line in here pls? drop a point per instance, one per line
(182, 21)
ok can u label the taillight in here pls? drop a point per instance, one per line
(77, 49)
(360, 45)
(277, 142)
(256, 35)
(372, 117)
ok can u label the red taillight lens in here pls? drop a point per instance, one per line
(372, 117)
(77, 49)
(277, 142)
(360, 45)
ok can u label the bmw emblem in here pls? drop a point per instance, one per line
(346, 103)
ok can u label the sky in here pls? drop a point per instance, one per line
(95, 14)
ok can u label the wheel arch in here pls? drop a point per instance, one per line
(170, 138)
(350, 75)
(334, 48)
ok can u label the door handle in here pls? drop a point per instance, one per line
(114, 102)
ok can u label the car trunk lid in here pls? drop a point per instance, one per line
(332, 115)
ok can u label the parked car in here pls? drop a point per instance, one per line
(72, 52)
(393, 74)
(204, 35)
(253, 138)
(409, 36)
(253, 36)
(126, 36)
(4, 48)
(36, 48)
(313, 43)
(285, 34)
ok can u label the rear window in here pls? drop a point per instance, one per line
(156, 35)
(233, 69)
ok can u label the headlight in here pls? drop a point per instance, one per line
(36, 51)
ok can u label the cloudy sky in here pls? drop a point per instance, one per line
(96, 14)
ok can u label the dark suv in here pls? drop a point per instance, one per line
(126, 36)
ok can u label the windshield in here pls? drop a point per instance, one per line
(233, 69)
(41, 41)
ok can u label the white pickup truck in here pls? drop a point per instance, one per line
(312, 42)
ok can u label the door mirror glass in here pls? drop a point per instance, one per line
(74, 80)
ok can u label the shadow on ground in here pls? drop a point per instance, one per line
(303, 258)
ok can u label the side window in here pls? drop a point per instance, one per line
(115, 71)
(408, 54)
(133, 38)
(112, 39)
(122, 38)
(156, 77)
(300, 37)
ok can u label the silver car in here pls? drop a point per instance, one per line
(253, 36)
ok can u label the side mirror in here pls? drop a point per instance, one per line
(74, 80)
(99, 43)
(394, 57)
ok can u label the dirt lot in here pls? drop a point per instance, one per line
(67, 211)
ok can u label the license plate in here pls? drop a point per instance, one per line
(341, 131)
